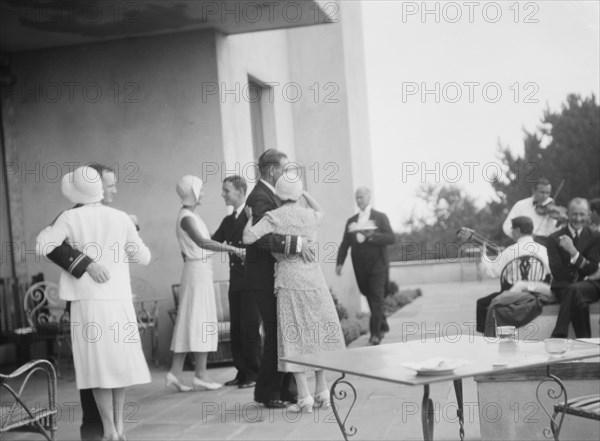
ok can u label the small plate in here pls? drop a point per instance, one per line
(431, 372)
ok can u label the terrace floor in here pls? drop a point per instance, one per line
(383, 411)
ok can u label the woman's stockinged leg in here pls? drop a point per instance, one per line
(320, 381)
(177, 363)
(200, 372)
(119, 405)
(302, 384)
(104, 400)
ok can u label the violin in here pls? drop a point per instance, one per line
(553, 210)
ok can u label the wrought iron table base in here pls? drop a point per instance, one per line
(427, 409)
(556, 420)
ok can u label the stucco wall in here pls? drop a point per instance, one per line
(331, 130)
(263, 56)
(142, 106)
(154, 131)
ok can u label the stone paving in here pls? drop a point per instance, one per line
(383, 411)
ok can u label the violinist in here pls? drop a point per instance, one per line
(540, 207)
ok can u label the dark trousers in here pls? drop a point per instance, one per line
(483, 304)
(246, 344)
(372, 286)
(91, 424)
(91, 428)
(270, 383)
(574, 308)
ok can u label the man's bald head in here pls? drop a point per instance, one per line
(579, 203)
(363, 197)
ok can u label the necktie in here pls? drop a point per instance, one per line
(575, 237)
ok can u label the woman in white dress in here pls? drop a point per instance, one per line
(196, 326)
(107, 351)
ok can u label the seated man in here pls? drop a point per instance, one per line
(522, 229)
(574, 253)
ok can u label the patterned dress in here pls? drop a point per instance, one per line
(307, 319)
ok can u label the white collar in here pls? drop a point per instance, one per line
(573, 231)
(269, 186)
(239, 209)
(525, 238)
(367, 210)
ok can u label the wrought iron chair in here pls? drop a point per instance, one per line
(587, 406)
(223, 353)
(147, 321)
(48, 318)
(146, 311)
(18, 415)
(524, 268)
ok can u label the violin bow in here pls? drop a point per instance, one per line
(560, 186)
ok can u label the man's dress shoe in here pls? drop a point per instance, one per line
(247, 384)
(234, 382)
(374, 341)
(277, 404)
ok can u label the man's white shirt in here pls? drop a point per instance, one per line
(525, 246)
(365, 215)
(542, 225)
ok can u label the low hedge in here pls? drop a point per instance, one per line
(358, 324)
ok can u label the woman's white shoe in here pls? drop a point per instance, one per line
(303, 403)
(197, 383)
(172, 380)
(323, 399)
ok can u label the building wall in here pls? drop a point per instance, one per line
(154, 131)
(147, 107)
(331, 130)
(6, 269)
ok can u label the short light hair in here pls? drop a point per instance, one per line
(578, 201)
(238, 183)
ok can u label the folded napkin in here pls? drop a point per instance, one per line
(361, 226)
(435, 364)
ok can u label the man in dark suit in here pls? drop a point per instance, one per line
(369, 233)
(574, 253)
(246, 342)
(273, 389)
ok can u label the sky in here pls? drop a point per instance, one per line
(448, 82)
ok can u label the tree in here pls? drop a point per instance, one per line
(566, 147)
(432, 234)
